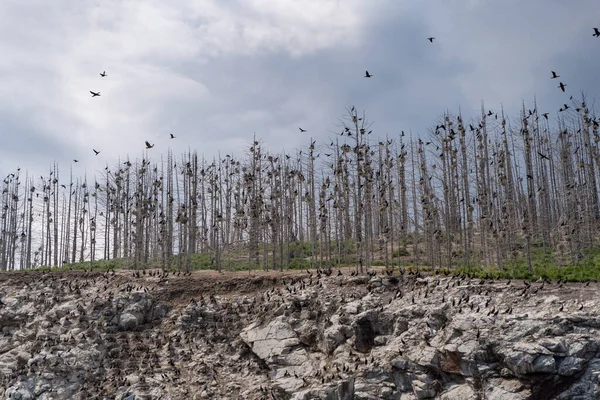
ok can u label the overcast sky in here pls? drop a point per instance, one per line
(214, 72)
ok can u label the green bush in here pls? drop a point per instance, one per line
(401, 252)
(299, 263)
(544, 266)
(300, 250)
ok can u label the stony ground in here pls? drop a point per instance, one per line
(96, 335)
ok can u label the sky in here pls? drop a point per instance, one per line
(214, 73)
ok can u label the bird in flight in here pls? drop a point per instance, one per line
(148, 145)
(94, 94)
(172, 136)
(96, 151)
(103, 74)
(596, 32)
(302, 130)
(562, 86)
(543, 156)
(430, 39)
(367, 74)
(75, 160)
(554, 75)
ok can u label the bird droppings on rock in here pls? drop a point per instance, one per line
(127, 335)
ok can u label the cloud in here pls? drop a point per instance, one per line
(215, 73)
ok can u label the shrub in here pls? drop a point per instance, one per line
(401, 252)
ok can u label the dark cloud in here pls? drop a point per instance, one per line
(216, 73)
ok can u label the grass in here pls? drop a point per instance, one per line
(544, 263)
(545, 266)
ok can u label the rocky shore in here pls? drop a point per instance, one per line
(125, 335)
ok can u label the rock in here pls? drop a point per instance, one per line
(345, 390)
(506, 390)
(128, 322)
(424, 389)
(364, 332)
(308, 334)
(522, 363)
(334, 336)
(544, 364)
(18, 393)
(458, 392)
(556, 346)
(270, 341)
(571, 365)
(278, 345)
(386, 392)
(400, 326)
(337, 338)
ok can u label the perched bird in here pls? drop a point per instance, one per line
(148, 145)
(103, 74)
(562, 86)
(94, 94)
(554, 75)
(430, 39)
(302, 130)
(545, 115)
(96, 151)
(367, 74)
(596, 32)
(172, 136)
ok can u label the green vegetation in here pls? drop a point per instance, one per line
(544, 264)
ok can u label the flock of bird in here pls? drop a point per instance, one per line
(561, 85)
(98, 94)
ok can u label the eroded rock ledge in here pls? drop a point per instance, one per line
(99, 335)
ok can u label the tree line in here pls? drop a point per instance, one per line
(470, 193)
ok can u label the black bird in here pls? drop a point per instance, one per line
(75, 160)
(430, 39)
(367, 74)
(96, 151)
(545, 115)
(94, 94)
(554, 75)
(148, 145)
(302, 130)
(103, 74)
(596, 32)
(562, 86)
(172, 136)
(544, 157)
